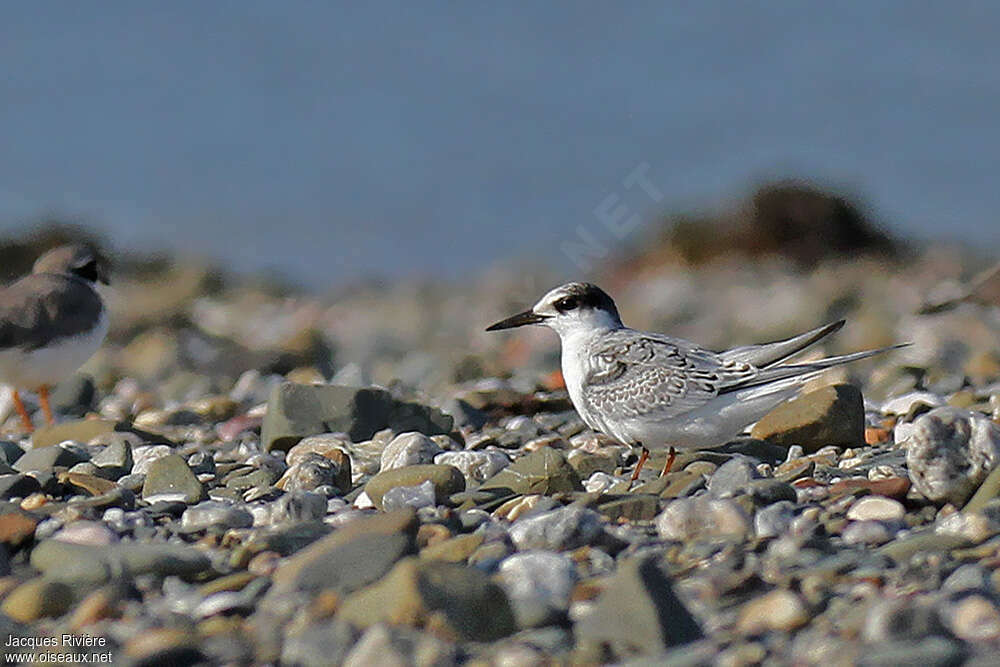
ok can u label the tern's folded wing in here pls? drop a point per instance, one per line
(635, 374)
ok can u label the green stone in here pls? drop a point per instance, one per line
(544, 471)
(170, 475)
(445, 478)
(295, 411)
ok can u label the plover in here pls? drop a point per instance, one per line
(653, 390)
(51, 322)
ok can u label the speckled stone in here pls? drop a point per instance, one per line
(950, 453)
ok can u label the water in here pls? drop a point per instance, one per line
(336, 141)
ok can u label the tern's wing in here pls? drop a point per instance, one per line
(637, 374)
(767, 354)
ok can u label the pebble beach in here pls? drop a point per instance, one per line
(250, 473)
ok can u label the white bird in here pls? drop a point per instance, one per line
(660, 392)
(51, 322)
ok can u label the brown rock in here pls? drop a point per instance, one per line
(38, 598)
(893, 487)
(91, 484)
(832, 415)
(16, 528)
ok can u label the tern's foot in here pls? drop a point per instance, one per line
(669, 464)
(23, 413)
(43, 398)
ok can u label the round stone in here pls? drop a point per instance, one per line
(876, 508)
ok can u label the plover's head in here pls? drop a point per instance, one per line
(569, 308)
(77, 260)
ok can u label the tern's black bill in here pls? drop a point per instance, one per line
(519, 320)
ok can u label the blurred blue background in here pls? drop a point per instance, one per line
(335, 141)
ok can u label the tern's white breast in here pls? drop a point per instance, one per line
(30, 369)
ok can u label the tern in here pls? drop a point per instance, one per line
(655, 391)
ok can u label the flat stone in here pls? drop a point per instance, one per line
(639, 613)
(38, 598)
(833, 415)
(46, 458)
(295, 411)
(876, 508)
(394, 645)
(632, 506)
(90, 564)
(170, 477)
(82, 430)
(544, 471)
(893, 487)
(463, 601)
(89, 484)
(446, 480)
(311, 559)
(950, 452)
(902, 549)
(354, 564)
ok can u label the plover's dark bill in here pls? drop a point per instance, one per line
(655, 391)
(51, 322)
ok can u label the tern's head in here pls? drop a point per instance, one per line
(569, 308)
(78, 260)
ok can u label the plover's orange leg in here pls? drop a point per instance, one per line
(23, 412)
(43, 398)
(638, 466)
(669, 462)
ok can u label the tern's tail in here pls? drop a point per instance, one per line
(786, 371)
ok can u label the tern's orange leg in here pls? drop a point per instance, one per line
(671, 457)
(638, 466)
(23, 412)
(43, 397)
